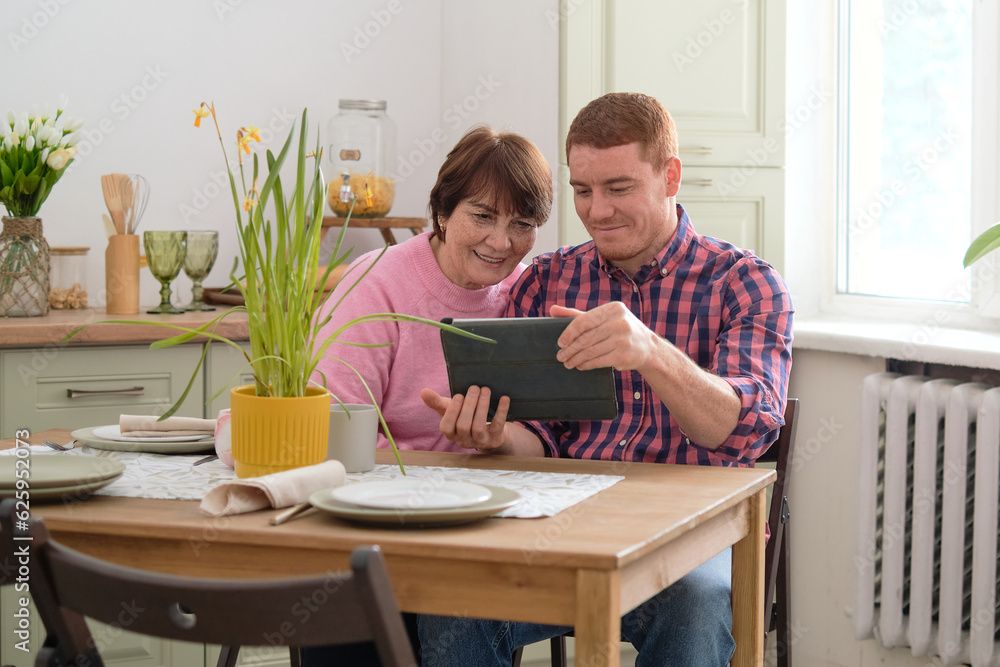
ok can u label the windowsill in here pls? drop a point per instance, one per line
(910, 342)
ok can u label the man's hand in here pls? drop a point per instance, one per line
(704, 405)
(609, 335)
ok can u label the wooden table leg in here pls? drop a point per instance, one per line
(748, 588)
(598, 624)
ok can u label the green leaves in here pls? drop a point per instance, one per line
(984, 244)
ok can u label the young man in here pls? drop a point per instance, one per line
(699, 334)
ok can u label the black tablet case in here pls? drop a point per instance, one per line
(522, 364)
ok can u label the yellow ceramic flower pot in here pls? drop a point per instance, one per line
(275, 434)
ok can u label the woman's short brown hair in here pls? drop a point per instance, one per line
(504, 168)
(617, 119)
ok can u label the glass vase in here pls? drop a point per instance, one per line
(24, 268)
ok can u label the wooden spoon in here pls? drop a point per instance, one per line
(109, 184)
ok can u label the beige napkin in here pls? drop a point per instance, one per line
(277, 490)
(146, 425)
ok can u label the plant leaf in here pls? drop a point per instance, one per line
(984, 244)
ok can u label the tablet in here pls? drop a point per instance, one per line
(522, 364)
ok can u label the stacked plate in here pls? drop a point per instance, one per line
(53, 477)
(110, 437)
(414, 502)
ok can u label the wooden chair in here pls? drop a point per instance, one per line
(350, 607)
(777, 554)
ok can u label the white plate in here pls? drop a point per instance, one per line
(500, 499)
(113, 432)
(87, 437)
(412, 495)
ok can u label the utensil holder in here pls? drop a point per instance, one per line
(121, 274)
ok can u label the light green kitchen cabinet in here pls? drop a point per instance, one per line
(252, 656)
(53, 387)
(76, 387)
(225, 368)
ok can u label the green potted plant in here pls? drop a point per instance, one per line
(280, 264)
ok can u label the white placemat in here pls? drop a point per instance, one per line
(173, 477)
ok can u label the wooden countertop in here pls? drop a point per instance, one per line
(52, 328)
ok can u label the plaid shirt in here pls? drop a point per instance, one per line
(726, 308)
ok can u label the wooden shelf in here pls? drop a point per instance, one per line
(384, 225)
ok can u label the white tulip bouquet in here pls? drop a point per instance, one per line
(35, 149)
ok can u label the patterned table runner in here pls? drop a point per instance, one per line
(174, 477)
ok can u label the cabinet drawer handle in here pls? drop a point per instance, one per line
(703, 150)
(704, 182)
(81, 393)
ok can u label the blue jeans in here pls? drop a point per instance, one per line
(690, 624)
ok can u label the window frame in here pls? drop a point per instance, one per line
(984, 306)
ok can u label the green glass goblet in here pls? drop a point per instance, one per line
(202, 249)
(165, 252)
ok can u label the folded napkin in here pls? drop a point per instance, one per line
(277, 490)
(146, 425)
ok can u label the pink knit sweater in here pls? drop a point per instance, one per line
(406, 280)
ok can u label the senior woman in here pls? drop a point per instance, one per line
(492, 193)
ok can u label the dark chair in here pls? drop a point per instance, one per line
(349, 607)
(777, 554)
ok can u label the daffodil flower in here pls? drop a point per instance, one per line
(245, 135)
(252, 198)
(200, 113)
(368, 194)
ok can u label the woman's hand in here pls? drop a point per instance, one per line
(464, 419)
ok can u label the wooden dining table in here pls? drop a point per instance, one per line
(584, 567)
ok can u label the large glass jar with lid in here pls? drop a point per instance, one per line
(362, 152)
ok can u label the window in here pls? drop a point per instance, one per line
(917, 145)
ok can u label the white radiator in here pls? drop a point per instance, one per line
(926, 563)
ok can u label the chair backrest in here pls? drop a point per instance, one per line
(780, 453)
(335, 608)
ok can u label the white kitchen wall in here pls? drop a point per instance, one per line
(134, 71)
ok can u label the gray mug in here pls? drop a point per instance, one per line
(353, 436)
